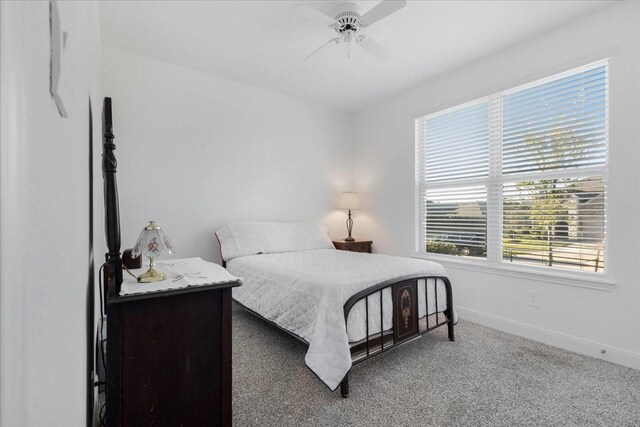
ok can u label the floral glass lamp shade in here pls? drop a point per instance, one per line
(152, 243)
(350, 201)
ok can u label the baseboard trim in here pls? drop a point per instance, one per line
(553, 338)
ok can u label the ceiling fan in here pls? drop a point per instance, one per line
(348, 21)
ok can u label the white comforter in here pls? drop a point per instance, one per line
(305, 292)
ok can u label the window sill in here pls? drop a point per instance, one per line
(581, 280)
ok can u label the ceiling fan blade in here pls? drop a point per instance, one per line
(318, 49)
(382, 10)
(373, 48)
(314, 14)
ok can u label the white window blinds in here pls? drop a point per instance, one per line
(457, 144)
(557, 125)
(519, 177)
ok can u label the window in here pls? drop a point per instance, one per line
(519, 177)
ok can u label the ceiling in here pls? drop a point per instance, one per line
(264, 43)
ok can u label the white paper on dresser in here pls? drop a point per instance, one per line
(181, 273)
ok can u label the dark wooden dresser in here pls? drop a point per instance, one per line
(354, 246)
(169, 358)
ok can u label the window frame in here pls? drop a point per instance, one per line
(495, 181)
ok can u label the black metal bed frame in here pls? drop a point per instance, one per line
(406, 325)
(404, 310)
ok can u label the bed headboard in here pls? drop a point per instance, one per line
(111, 209)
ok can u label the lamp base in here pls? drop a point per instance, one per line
(151, 275)
(349, 228)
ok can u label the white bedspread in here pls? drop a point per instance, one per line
(305, 292)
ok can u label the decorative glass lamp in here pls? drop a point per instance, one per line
(152, 243)
(350, 201)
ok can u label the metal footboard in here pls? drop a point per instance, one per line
(406, 322)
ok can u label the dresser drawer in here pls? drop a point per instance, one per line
(357, 246)
(360, 247)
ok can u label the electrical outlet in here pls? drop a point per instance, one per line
(534, 298)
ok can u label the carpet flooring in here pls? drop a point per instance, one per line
(485, 378)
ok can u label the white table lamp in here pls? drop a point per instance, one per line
(152, 243)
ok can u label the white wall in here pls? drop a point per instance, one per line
(46, 294)
(584, 320)
(195, 151)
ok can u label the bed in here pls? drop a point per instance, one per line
(345, 306)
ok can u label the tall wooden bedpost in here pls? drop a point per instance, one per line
(112, 212)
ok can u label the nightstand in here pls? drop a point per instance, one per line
(355, 246)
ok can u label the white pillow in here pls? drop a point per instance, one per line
(254, 237)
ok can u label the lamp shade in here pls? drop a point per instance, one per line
(152, 242)
(348, 200)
